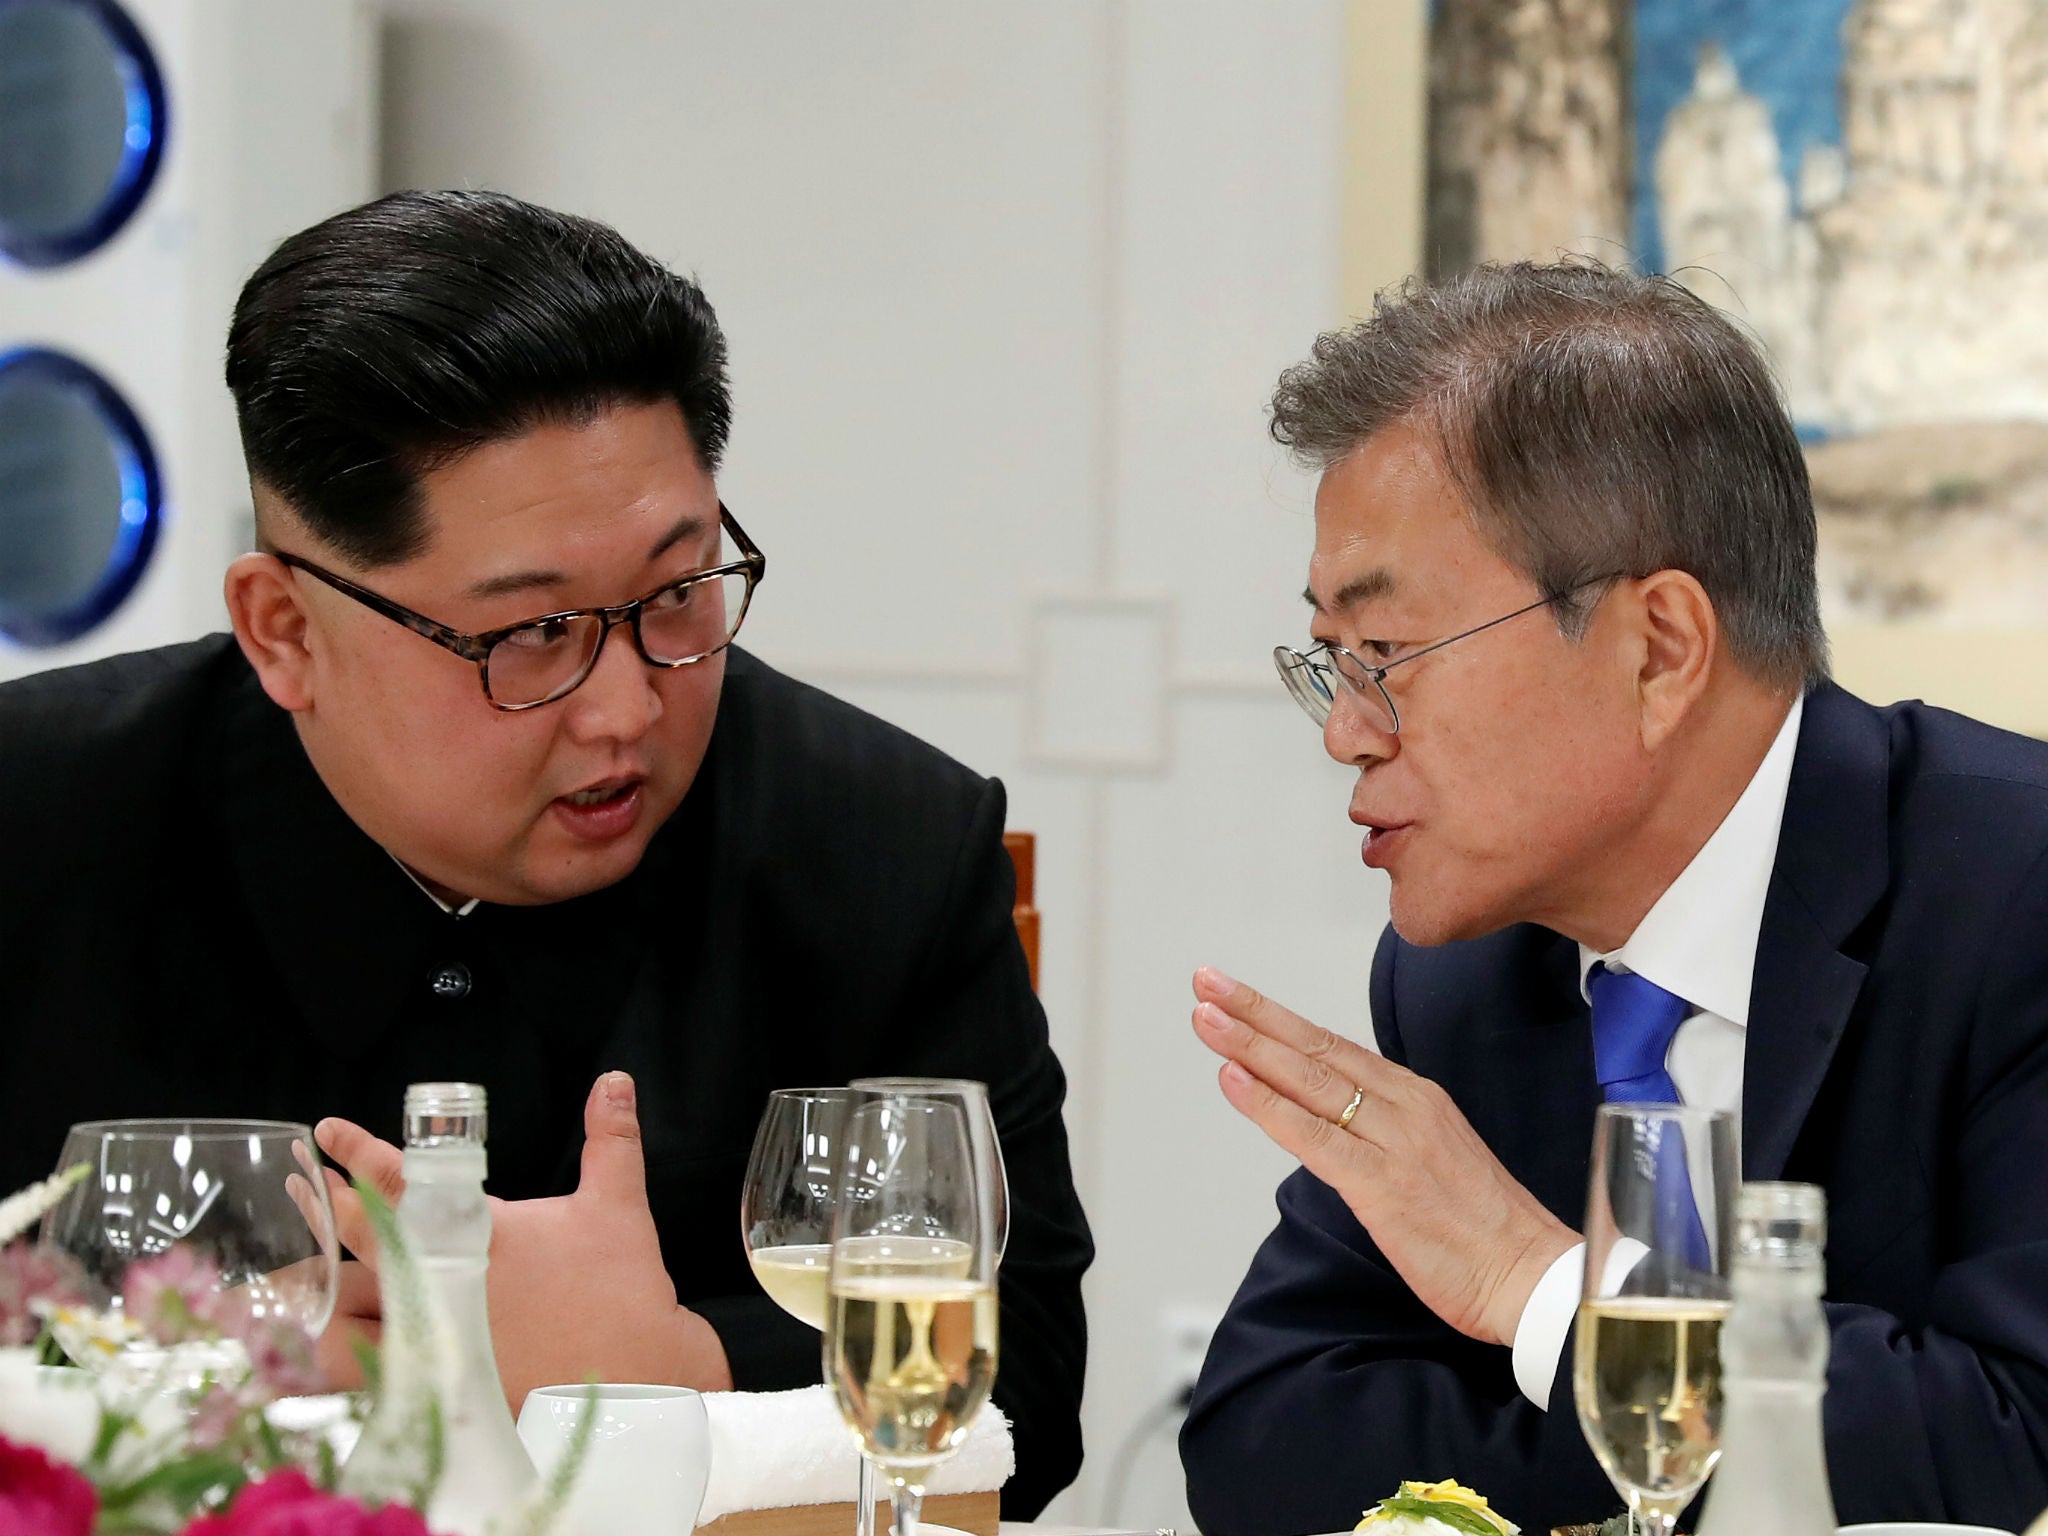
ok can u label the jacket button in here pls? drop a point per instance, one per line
(451, 981)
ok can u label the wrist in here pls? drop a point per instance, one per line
(697, 1354)
(1511, 1296)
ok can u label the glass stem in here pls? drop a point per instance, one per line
(864, 1507)
(907, 1498)
(1653, 1517)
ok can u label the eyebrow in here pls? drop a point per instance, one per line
(1359, 589)
(685, 528)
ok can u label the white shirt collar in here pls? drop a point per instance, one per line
(1699, 939)
(450, 908)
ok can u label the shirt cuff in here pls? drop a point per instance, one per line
(1546, 1322)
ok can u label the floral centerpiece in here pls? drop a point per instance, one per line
(166, 1428)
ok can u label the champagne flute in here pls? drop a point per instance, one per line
(972, 1097)
(1647, 1369)
(910, 1331)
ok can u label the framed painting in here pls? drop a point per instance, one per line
(1863, 184)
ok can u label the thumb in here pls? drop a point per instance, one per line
(613, 1167)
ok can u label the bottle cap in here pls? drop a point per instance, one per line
(1780, 1224)
(444, 1114)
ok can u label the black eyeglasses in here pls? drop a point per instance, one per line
(1312, 677)
(526, 665)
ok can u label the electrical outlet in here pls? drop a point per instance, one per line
(1187, 1327)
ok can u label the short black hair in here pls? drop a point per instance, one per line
(1600, 422)
(389, 340)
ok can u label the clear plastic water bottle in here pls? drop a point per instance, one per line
(441, 1390)
(1773, 1475)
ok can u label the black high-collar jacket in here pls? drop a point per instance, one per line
(191, 925)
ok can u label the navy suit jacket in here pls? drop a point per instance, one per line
(1897, 1056)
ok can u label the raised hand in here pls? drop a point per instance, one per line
(577, 1286)
(1468, 1239)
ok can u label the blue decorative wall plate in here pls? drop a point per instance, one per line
(82, 121)
(81, 497)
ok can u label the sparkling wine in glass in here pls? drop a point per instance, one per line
(243, 1199)
(1647, 1366)
(910, 1331)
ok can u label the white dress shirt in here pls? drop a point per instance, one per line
(1699, 942)
(442, 902)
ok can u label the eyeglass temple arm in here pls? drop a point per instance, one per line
(468, 647)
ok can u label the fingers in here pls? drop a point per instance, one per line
(351, 1221)
(1325, 1151)
(1234, 997)
(614, 1166)
(1267, 1017)
(366, 1157)
(312, 1209)
(1318, 1070)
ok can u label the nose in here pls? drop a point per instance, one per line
(618, 701)
(1353, 737)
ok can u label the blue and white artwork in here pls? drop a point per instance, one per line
(1863, 184)
(1786, 53)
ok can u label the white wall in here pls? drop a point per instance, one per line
(1006, 287)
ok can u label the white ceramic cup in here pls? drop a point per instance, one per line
(648, 1460)
(1919, 1528)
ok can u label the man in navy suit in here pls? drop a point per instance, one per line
(1567, 631)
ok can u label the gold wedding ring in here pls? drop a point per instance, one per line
(1344, 1120)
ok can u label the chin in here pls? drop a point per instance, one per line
(1422, 920)
(583, 876)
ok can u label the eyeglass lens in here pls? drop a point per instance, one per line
(1314, 680)
(538, 662)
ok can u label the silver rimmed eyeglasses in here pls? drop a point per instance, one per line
(537, 661)
(1312, 677)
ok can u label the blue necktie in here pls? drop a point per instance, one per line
(1633, 1022)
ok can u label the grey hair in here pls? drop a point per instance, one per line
(1599, 423)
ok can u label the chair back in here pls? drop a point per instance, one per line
(1023, 850)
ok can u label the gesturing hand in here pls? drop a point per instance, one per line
(1468, 1239)
(577, 1286)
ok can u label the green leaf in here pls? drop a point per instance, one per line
(181, 1483)
(1459, 1517)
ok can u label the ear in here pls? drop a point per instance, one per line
(1680, 634)
(271, 625)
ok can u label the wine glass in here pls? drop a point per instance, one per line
(1647, 1370)
(910, 1329)
(786, 1206)
(244, 1200)
(786, 1203)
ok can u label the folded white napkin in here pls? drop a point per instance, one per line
(770, 1450)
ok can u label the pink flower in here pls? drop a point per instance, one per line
(41, 1497)
(29, 1275)
(175, 1296)
(286, 1504)
(281, 1359)
(214, 1418)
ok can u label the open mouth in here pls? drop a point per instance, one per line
(601, 794)
(601, 812)
(1380, 840)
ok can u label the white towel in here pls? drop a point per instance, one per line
(770, 1450)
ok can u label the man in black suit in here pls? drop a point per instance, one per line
(1567, 632)
(557, 830)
